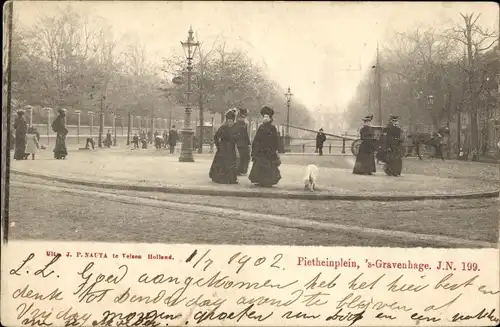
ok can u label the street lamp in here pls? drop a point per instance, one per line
(113, 128)
(430, 103)
(49, 110)
(212, 116)
(101, 121)
(146, 119)
(78, 113)
(91, 117)
(189, 48)
(288, 96)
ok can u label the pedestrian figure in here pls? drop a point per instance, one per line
(21, 127)
(242, 139)
(365, 159)
(158, 141)
(223, 169)
(320, 139)
(165, 139)
(438, 142)
(59, 127)
(265, 156)
(144, 143)
(195, 143)
(108, 141)
(32, 144)
(394, 161)
(135, 141)
(150, 137)
(90, 141)
(172, 139)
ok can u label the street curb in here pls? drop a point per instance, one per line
(261, 194)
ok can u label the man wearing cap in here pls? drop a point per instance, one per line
(242, 139)
(438, 141)
(394, 161)
(320, 139)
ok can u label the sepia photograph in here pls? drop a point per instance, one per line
(252, 123)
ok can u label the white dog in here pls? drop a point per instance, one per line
(311, 177)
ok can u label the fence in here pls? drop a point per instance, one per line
(332, 146)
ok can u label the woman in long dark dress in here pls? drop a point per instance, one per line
(394, 155)
(365, 159)
(21, 127)
(264, 155)
(223, 169)
(59, 126)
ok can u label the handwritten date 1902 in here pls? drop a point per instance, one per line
(243, 259)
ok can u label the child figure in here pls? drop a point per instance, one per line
(32, 145)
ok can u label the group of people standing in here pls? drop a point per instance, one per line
(234, 152)
(27, 139)
(388, 147)
(161, 140)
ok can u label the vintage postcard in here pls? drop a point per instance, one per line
(250, 163)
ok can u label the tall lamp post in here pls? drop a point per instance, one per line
(189, 48)
(78, 113)
(49, 110)
(113, 128)
(101, 121)
(430, 103)
(212, 116)
(146, 119)
(288, 96)
(91, 118)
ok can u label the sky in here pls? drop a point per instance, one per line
(321, 50)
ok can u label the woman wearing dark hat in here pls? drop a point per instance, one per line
(365, 159)
(21, 127)
(59, 126)
(265, 157)
(394, 154)
(223, 169)
(242, 139)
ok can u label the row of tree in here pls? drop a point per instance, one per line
(74, 61)
(431, 77)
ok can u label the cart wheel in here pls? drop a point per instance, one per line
(355, 147)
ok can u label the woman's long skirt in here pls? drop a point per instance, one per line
(20, 147)
(60, 151)
(365, 161)
(394, 164)
(265, 172)
(223, 169)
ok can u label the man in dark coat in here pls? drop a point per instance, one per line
(21, 127)
(240, 132)
(320, 139)
(393, 148)
(172, 139)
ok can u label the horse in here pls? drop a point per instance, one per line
(433, 140)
